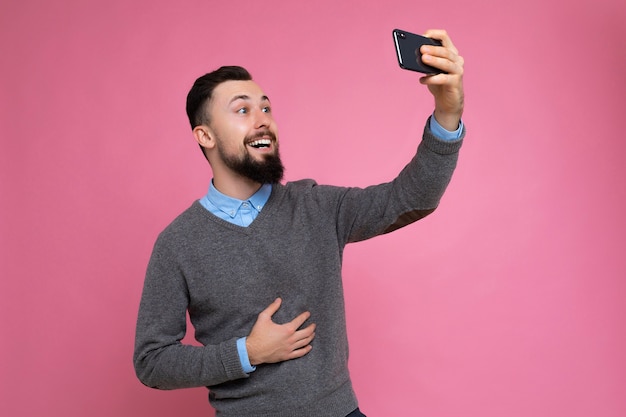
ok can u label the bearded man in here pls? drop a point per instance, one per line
(257, 263)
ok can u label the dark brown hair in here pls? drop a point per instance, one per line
(200, 94)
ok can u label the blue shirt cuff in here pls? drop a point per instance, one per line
(243, 356)
(442, 133)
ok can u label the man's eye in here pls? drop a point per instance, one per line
(267, 109)
(242, 110)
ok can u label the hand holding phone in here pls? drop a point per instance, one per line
(408, 51)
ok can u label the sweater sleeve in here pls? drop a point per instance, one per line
(412, 195)
(160, 359)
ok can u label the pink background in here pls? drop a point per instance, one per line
(508, 301)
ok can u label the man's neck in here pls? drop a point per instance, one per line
(239, 188)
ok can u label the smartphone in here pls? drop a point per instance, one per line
(408, 51)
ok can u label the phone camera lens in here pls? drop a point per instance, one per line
(402, 36)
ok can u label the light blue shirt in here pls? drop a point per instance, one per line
(239, 212)
(243, 213)
(442, 133)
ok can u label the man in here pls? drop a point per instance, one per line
(257, 264)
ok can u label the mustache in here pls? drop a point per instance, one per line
(260, 135)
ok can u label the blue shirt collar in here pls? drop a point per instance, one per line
(230, 206)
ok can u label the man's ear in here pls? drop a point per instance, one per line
(204, 136)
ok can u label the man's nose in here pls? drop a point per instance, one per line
(263, 119)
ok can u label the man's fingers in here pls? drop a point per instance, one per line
(298, 353)
(304, 339)
(293, 325)
(299, 321)
(302, 346)
(305, 333)
(271, 309)
(443, 36)
(445, 59)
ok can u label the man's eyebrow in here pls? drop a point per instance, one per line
(246, 97)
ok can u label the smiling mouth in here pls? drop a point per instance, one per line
(260, 143)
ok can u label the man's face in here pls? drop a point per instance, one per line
(245, 131)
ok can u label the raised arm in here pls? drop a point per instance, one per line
(446, 88)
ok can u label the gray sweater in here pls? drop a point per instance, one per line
(224, 275)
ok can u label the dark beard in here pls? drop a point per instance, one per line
(268, 171)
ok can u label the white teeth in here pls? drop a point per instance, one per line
(261, 142)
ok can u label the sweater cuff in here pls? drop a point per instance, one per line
(441, 146)
(229, 356)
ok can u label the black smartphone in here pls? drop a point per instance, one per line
(408, 51)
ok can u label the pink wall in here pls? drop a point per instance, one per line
(508, 301)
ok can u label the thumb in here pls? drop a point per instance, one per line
(271, 309)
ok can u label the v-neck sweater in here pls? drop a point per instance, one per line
(224, 275)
